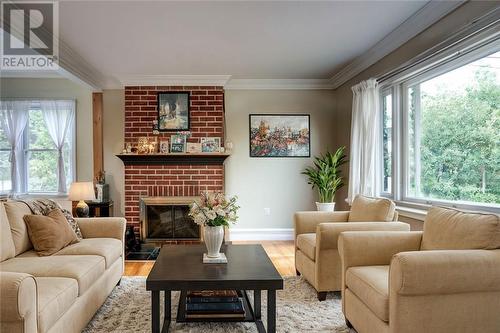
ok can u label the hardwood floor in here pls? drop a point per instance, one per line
(280, 252)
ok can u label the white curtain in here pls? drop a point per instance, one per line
(14, 117)
(58, 116)
(364, 169)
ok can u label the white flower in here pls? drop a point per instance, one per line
(211, 215)
(199, 219)
(220, 212)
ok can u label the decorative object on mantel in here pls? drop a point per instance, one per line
(229, 146)
(147, 145)
(214, 212)
(178, 142)
(173, 111)
(210, 145)
(325, 177)
(193, 147)
(164, 146)
(81, 191)
(280, 135)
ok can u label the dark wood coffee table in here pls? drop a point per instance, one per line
(180, 267)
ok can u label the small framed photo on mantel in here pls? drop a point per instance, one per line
(210, 145)
(177, 143)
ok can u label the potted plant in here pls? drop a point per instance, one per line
(214, 212)
(325, 177)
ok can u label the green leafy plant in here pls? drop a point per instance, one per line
(325, 174)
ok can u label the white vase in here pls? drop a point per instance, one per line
(325, 206)
(213, 240)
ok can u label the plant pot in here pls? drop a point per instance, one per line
(213, 240)
(325, 206)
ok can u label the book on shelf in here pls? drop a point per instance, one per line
(212, 296)
(215, 308)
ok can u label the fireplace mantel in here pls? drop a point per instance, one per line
(174, 158)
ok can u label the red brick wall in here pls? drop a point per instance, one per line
(207, 119)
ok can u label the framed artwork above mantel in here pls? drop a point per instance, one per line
(173, 111)
(279, 135)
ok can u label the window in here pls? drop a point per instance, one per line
(387, 141)
(450, 147)
(37, 160)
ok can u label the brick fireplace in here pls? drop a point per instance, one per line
(170, 180)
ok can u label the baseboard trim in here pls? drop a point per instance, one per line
(244, 234)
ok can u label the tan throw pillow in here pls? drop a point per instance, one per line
(366, 209)
(453, 229)
(49, 233)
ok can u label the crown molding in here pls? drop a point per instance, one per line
(278, 84)
(174, 80)
(429, 14)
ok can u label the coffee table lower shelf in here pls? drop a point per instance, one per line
(249, 313)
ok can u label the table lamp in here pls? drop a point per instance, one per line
(81, 191)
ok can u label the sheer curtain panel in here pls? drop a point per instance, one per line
(13, 118)
(59, 116)
(365, 141)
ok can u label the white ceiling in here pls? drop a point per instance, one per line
(116, 43)
(249, 40)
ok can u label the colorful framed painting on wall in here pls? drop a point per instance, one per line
(173, 111)
(280, 135)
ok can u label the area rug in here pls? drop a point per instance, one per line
(127, 309)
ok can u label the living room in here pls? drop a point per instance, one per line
(250, 166)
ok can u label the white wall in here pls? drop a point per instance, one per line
(274, 183)
(113, 141)
(61, 88)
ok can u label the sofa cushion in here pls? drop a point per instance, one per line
(307, 244)
(85, 269)
(371, 285)
(366, 209)
(109, 248)
(7, 249)
(15, 212)
(55, 296)
(50, 233)
(452, 229)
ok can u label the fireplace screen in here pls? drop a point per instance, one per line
(170, 222)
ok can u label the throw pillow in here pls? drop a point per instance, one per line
(49, 233)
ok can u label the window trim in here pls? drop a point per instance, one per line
(400, 133)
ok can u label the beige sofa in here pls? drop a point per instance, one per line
(445, 279)
(58, 293)
(316, 235)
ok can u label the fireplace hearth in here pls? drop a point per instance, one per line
(167, 219)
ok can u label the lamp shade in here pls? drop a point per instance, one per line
(81, 191)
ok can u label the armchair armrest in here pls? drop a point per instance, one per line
(306, 222)
(327, 234)
(103, 227)
(445, 272)
(367, 248)
(18, 298)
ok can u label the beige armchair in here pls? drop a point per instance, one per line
(444, 279)
(316, 234)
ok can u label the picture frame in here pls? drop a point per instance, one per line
(164, 146)
(177, 143)
(173, 111)
(210, 144)
(280, 135)
(193, 147)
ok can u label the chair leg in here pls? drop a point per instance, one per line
(297, 272)
(348, 323)
(321, 295)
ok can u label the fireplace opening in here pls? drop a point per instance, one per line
(166, 218)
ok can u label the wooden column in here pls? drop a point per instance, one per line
(97, 132)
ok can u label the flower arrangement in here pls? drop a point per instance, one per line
(213, 210)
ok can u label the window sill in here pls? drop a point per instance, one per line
(414, 213)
